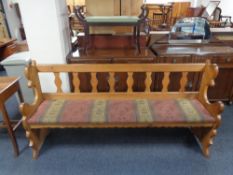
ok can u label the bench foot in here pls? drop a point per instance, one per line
(205, 137)
(36, 140)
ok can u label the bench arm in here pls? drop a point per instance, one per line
(28, 109)
(209, 74)
(215, 109)
(31, 74)
(78, 13)
(144, 13)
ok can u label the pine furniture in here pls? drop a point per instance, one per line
(7, 47)
(8, 87)
(121, 109)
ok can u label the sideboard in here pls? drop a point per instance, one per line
(216, 52)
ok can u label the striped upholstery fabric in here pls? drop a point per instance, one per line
(117, 111)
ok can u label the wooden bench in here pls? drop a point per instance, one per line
(121, 109)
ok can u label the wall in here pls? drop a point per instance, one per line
(164, 1)
(47, 31)
(194, 3)
(12, 19)
(75, 2)
(98, 7)
(226, 6)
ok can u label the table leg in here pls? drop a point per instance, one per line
(9, 128)
(20, 95)
(86, 42)
(134, 33)
(138, 38)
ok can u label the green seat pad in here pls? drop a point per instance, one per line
(112, 19)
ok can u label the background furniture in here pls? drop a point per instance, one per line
(218, 20)
(215, 51)
(195, 12)
(7, 47)
(8, 86)
(178, 10)
(132, 21)
(166, 9)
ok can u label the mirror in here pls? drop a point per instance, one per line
(210, 8)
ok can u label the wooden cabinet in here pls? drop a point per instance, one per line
(224, 81)
(113, 7)
(7, 48)
(221, 55)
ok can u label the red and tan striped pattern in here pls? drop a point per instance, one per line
(117, 111)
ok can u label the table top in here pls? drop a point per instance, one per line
(112, 19)
(6, 82)
(192, 50)
(6, 41)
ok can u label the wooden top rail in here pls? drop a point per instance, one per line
(121, 68)
(209, 72)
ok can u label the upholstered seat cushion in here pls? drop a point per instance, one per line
(117, 111)
(112, 19)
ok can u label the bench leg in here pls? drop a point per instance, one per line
(36, 140)
(205, 137)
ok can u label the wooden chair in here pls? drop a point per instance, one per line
(218, 20)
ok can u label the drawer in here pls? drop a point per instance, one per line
(9, 50)
(222, 59)
(133, 60)
(175, 59)
(228, 59)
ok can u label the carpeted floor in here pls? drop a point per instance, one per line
(119, 151)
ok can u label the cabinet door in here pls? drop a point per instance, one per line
(131, 7)
(3, 29)
(98, 7)
(7, 51)
(224, 80)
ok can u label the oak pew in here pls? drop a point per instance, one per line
(128, 109)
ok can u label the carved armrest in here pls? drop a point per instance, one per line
(144, 13)
(28, 110)
(31, 74)
(215, 109)
(209, 74)
(78, 12)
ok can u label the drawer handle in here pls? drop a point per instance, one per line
(228, 60)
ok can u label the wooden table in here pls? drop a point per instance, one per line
(8, 86)
(7, 47)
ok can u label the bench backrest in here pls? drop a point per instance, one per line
(208, 72)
